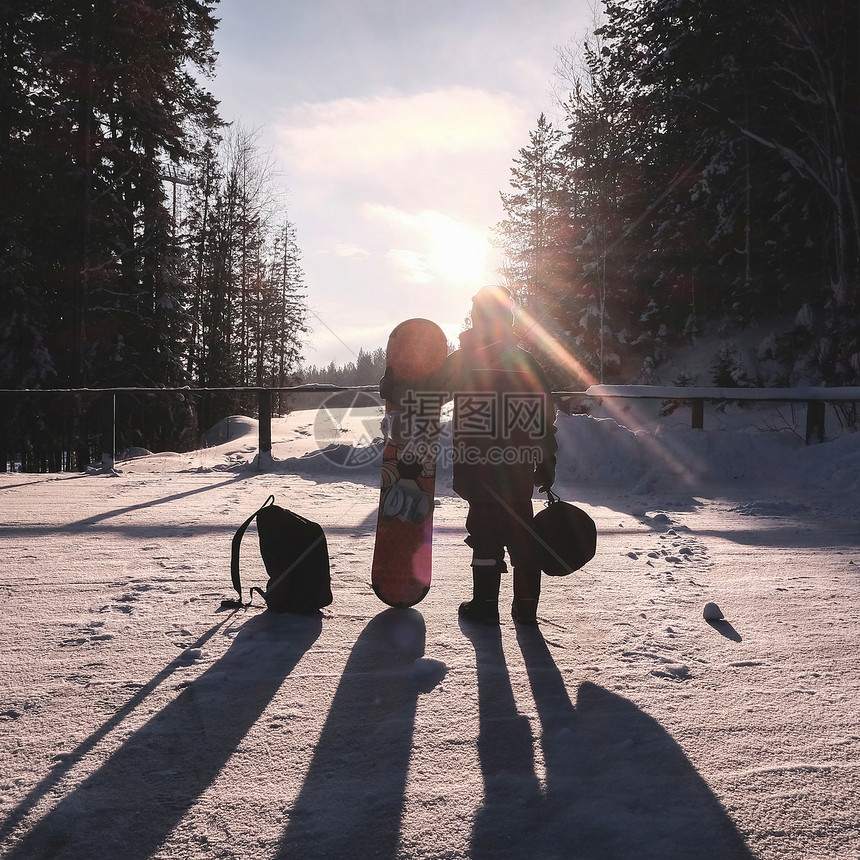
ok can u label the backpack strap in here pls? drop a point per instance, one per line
(234, 559)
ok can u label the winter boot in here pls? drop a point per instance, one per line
(526, 594)
(486, 581)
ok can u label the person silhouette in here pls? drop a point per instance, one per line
(503, 444)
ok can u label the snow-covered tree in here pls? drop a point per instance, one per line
(534, 234)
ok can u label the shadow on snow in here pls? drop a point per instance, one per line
(352, 799)
(145, 788)
(616, 783)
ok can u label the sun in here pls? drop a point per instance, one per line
(459, 254)
(430, 246)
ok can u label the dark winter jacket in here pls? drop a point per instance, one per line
(503, 426)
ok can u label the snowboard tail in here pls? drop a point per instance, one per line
(403, 552)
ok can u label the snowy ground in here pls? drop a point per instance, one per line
(139, 719)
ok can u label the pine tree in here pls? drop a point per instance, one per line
(754, 106)
(533, 235)
(536, 237)
(287, 278)
(96, 98)
(606, 146)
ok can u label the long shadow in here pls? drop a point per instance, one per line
(511, 815)
(36, 481)
(88, 522)
(129, 806)
(352, 798)
(59, 771)
(791, 533)
(725, 628)
(172, 498)
(617, 784)
(137, 531)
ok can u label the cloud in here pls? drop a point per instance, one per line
(408, 181)
(411, 264)
(350, 250)
(395, 197)
(439, 247)
(344, 136)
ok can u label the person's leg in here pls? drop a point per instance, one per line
(488, 564)
(526, 595)
(527, 573)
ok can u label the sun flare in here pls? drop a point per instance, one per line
(432, 247)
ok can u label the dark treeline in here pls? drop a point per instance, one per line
(141, 241)
(704, 175)
(367, 369)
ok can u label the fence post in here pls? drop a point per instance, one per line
(109, 433)
(815, 420)
(264, 413)
(698, 413)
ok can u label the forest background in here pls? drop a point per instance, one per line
(701, 178)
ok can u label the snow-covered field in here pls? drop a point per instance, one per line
(140, 719)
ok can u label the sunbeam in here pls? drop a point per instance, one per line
(561, 355)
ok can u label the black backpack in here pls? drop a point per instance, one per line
(295, 554)
(566, 537)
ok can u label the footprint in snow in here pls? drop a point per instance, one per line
(76, 641)
(673, 671)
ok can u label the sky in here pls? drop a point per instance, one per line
(392, 127)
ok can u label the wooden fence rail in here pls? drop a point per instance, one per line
(815, 398)
(108, 428)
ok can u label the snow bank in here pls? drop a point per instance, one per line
(601, 452)
(334, 458)
(662, 455)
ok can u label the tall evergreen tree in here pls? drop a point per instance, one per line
(536, 237)
(288, 298)
(533, 235)
(606, 145)
(96, 98)
(711, 177)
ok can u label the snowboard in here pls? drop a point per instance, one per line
(403, 552)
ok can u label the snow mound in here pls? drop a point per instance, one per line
(599, 451)
(771, 508)
(833, 464)
(230, 429)
(132, 452)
